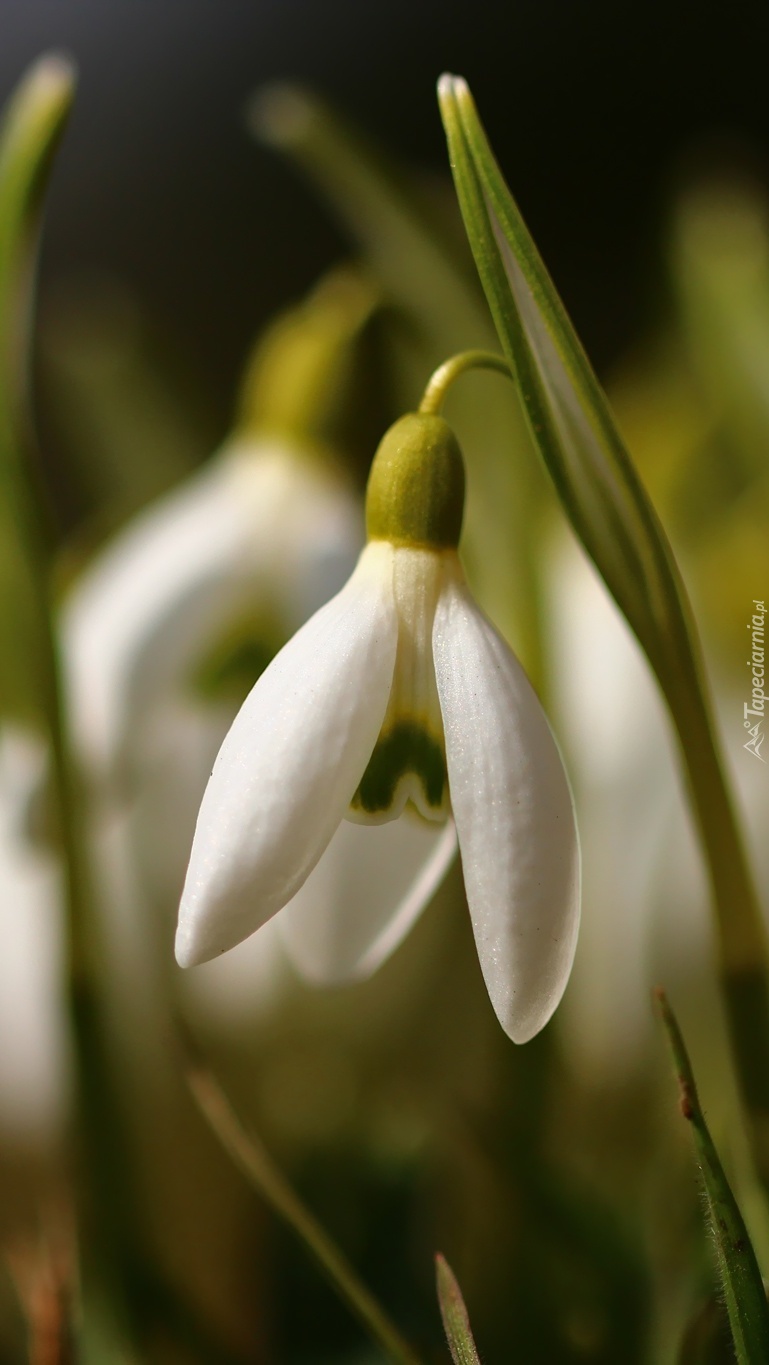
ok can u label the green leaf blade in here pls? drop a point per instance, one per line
(738, 1268)
(33, 123)
(456, 1322)
(568, 414)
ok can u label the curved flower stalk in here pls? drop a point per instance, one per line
(397, 699)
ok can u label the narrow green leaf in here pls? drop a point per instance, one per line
(32, 125)
(456, 1322)
(573, 428)
(740, 1276)
(255, 1163)
(31, 128)
(568, 413)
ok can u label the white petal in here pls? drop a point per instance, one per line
(290, 765)
(369, 887)
(514, 815)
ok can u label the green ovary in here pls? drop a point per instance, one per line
(407, 749)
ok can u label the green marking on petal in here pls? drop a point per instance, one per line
(406, 749)
(240, 655)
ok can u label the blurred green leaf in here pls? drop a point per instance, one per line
(740, 1277)
(128, 422)
(456, 1322)
(719, 261)
(31, 128)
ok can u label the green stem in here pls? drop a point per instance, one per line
(261, 1172)
(32, 127)
(742, 952)
(441, 381)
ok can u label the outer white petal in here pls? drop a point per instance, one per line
(514, 815)
(258, 519)
(290, 764)
(369, 887)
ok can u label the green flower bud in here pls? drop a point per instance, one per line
(416, 488)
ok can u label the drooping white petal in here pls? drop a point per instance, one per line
(514, 815)
(258, 520)
(290, 764)
(369, 887)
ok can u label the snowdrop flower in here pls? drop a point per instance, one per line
(397, 699)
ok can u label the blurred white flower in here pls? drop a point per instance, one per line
(33, 1052)
(613, 726)
(647, 917)
(222, 569)
(397, 693)
(236, 558)
(194, 594)
(264, 532)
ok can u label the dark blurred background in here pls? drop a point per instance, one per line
(593, 107)
(167, 218)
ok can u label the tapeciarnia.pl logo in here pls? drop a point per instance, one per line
(754, 710)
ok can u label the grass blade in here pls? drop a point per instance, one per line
(456, 1322)
(740, 1277)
